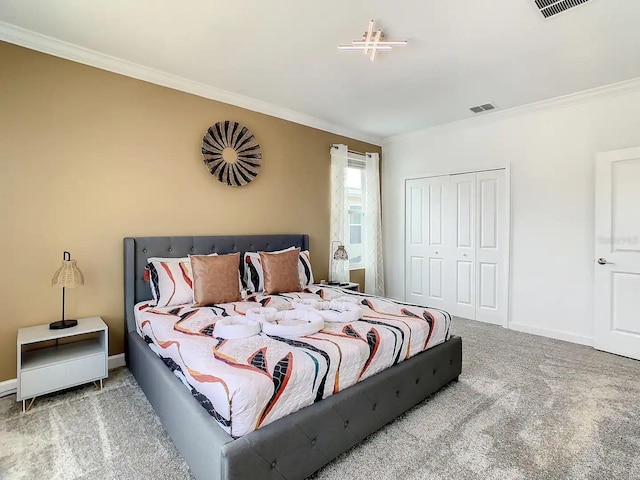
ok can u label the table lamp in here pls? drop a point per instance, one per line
(67, 276)
(339, 262)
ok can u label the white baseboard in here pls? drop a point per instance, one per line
(116, 361)
(557, 334)
(10, 386)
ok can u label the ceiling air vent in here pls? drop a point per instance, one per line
(483, 108)
(549, 8)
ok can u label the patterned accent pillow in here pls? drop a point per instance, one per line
(151, 274)
(304, 269)
(171, 281)
(254, 275)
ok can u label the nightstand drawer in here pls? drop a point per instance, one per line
(45, 379)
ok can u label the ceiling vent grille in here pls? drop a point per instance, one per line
(483, 108)
(549, 8)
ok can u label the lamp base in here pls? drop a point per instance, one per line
(60, 324)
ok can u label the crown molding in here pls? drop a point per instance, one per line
(58, 48)
(585, 96)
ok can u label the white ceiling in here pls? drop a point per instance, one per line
(461, 52)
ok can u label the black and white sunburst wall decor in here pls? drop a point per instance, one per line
(231, 153)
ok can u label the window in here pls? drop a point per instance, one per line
(355, 215)
(355, 210)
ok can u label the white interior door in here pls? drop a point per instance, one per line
(492, 237)
(460, 245)
(416, 207)
(617, 263)
(424, 243)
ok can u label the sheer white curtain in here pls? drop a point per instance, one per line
(339, 161)
(374, 271)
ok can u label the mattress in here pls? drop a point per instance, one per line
(248, 383)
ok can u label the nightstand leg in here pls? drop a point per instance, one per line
(28, 406)
(100, 384)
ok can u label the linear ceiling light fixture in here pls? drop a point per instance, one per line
(372, 42)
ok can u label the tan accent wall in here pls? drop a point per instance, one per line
(88, 157)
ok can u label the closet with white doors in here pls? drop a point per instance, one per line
(457, 244)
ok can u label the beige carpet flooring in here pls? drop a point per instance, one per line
(525, 407)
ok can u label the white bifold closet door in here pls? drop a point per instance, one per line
(455, 244)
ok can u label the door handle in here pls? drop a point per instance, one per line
(603, 261)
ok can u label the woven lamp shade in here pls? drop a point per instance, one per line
(68, 275)
(340, 253)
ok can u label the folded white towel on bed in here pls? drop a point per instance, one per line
(306, 303)
(236, 326)
(294, 323)
(350, 299)
(262, 314)
(335, 311)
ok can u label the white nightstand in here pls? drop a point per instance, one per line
(50, 369)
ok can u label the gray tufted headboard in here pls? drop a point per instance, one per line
(138, 249)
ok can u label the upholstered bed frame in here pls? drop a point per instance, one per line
(292, 447)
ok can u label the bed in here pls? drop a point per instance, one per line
(291, 447)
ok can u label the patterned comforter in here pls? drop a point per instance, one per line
(248, 383)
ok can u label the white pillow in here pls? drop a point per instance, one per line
(254, 276)
(304, 268)
(152, 283)
(171, 281)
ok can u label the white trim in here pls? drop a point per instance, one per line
(52, 46)
(614, 89)
(557, 334)
(456, 172)
(507, 269)
(10, 387)
(116, 361)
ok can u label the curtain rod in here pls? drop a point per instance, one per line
(352, 151)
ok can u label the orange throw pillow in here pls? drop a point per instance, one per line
(215, 279)
(280, 271)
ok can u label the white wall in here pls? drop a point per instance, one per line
(552, 155)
